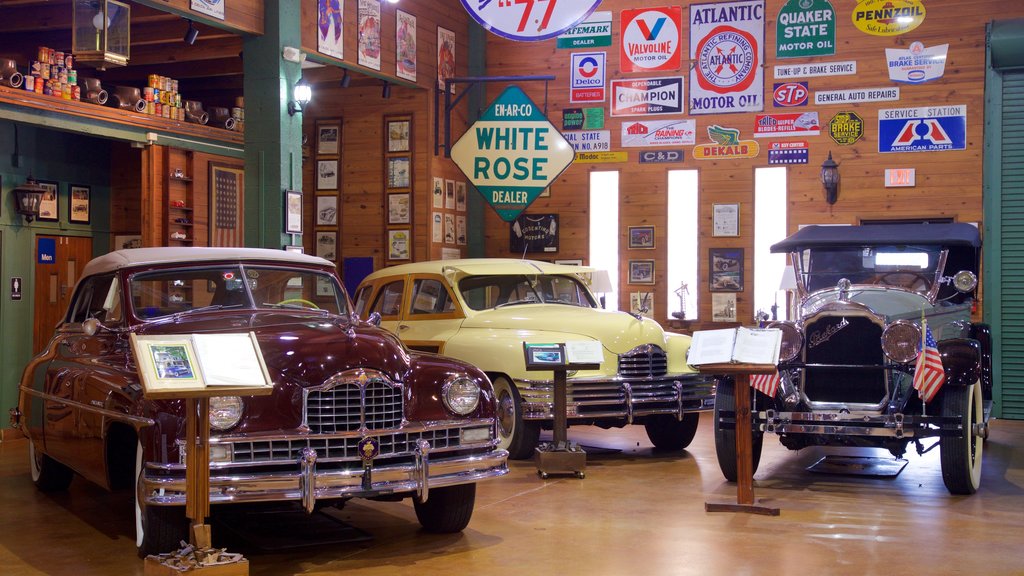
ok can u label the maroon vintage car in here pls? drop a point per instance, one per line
(339, 384)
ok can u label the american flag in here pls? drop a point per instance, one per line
(928, 373)
(767, 384)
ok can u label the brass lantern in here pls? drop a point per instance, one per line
(100, 32)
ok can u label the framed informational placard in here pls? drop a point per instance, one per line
(328, 135)
(78, 204)
(398, 135)
(191, 365)
(726, 220)
(293, 212)
(398, 208)
(725, 269)
(398, 172)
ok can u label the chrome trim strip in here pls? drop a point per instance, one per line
(307, 479)
(112, 414)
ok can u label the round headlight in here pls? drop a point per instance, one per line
(792, 340)
(461, 395)
(965, 281)
(901, 341)
(225, 411)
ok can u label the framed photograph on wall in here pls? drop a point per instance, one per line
(460, 196)
(641, 237)
(328, 138)
(726, 220)
(641, 272)
(725, 269)
(327, 210)
(293, 212)
(49, 209)
(723, 307)
(327, 245)
(326, 174)
(449, 194)
(399, 208)
(398, 135)
(438, 192)
(398, 244)
(398, 172)
(78, 204)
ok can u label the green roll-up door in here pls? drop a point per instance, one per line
(1011, 239)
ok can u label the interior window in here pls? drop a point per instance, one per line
(97, 298)
(430, 297)
(363, 300)
(389, 300)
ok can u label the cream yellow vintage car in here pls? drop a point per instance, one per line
(483, 310)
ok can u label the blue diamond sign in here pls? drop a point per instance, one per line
(512, 153)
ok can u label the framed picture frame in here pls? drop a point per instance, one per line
(368, 33)
(327, 210)
(399, 132)
(405, 45)
(326, 174)
(449, 194)
(331, 30)
(460, 229)
(328, 138)
(641, 271)
(445, 57)
(460, 196)
(124, 241)
(293, 212)
(449, 228)
(437, 227)
(438, 192)
(49, 208)
(327, 245)
(227, 205)
(725, 269)
(78, 204)
(641, 237)
(725, 220)
(642, 303)
(723, 307)
(398, 244)
(399, 172)
(399, 208)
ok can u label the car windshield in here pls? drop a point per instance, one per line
(909, 267)
(497, 290)
(168, 292)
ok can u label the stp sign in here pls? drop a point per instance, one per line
(512, 153)
(789, 94)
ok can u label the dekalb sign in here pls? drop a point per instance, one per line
(512, 153)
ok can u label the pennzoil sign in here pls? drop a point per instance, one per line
(888, 17)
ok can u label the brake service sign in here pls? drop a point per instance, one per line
(512, 153)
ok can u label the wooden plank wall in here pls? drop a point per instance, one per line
(948, 183)
(361, 107)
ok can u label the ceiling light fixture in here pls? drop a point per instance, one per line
(191, 34)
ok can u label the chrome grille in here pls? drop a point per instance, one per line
(341, 448)
(647, 361)
(850, 340)
(348, 404)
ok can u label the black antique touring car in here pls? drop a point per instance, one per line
(868, 296)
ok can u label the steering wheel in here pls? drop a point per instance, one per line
(297, 301)
(920, 281)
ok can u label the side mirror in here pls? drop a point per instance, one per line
(91, 326)
(374, 319)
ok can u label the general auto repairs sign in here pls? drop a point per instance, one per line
(651, 39)
(924, 129)
(645, 96)
(727, 53)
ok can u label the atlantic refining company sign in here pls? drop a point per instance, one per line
(512, 153)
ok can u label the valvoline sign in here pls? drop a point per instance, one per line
(651, 39)
(790, 94)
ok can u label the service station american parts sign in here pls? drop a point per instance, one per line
(924, 129)
(651, 39)
(512, 153)
(529, 20)
(727, 53)
(646, 96)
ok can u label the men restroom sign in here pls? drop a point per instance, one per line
(512, 153)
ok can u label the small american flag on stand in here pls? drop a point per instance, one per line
(767, 384)
(928, 372)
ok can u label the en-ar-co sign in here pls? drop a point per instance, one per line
(512, 153)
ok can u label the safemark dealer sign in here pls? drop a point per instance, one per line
(512, 153)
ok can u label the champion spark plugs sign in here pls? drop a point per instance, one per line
(727, 50)
(512, 153)
(650, 39)
(529, 20)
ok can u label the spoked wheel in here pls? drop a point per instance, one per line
(516, 435)
(48, 474)
(961, 455)
(725, 435)
(158, 529)
(447, 509)
(668, 433)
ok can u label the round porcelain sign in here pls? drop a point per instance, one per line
(529, 20)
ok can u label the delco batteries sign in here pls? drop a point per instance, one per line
(586, 83)
(512, 153)
(924, 129)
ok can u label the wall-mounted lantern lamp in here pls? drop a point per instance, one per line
(27, 198)
(301, 95)
(100, 32)
(830, 179)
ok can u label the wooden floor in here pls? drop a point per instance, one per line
(637, 512)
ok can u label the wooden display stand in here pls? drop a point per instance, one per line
(744, 443)
(165, 374)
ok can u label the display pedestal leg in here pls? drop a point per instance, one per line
(744, 458)
(559, 457)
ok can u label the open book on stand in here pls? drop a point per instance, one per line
(735, 346)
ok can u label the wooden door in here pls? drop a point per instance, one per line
(54, 282)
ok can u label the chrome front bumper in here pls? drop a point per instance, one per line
(852, 424)
(307, 483)
(616, 398)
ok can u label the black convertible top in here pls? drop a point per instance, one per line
(958, 234)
